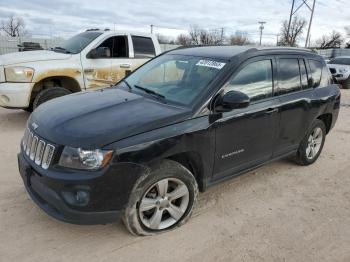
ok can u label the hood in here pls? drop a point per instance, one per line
(31, 56)
(94, 119)
(338, 66)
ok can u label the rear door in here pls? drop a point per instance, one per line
(143, 49)
(295, 95)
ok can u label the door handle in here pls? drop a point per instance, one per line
(125, 65)
(271, 111)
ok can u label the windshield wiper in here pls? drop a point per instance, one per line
(126, 82)
(61, 48)
(149, 91)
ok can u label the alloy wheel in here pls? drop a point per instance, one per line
(164, 204)
(314, 143)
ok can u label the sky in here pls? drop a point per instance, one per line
(51, 18)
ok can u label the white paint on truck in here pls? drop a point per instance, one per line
(77, 66)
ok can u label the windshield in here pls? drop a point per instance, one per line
(176, 78)
(340, 61)
(77, 43)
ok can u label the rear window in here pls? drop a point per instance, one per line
(143, 47)
(316, 72)
(340, 61)
(289, 75)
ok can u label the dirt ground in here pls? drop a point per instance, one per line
(280, 212)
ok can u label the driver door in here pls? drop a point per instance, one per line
(245, 137)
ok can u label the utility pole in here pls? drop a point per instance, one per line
(151, 28)
(307, 42)
(293, 12)
(261, 27)
(277, 36)
(222, 36)
(290, 20)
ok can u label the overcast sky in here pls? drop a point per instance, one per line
(68, 17)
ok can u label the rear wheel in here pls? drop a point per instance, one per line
(311, 146)
(48, 94)
(161, 200)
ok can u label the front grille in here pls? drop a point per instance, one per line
(37, 149)
(333, 71)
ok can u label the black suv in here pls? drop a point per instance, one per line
(184, 121)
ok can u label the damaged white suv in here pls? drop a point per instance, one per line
(90, 60)
(340, 69)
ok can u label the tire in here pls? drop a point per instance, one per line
(346, 84)
(48, 94)
(311, 146)
(140, 215)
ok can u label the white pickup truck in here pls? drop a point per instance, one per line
(90, 60)
(340, 69)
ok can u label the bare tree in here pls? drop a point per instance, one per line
(334, 40)
(200, 36)
(239, 38)
(184, 40)
(162, 39)
(13, 27)
(296, 30)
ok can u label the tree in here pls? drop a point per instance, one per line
(334, 40)
(347, 29)
(183, 40)
(162, 39)
(13, 27)
(297, 27)
(239, 38)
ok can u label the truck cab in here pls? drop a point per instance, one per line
(90, 60)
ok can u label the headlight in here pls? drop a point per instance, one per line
(343, 70)
(19, 74)
(78, 158)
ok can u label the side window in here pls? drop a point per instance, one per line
(326, 78)
(143, 47)
(289, 75)
(117, 46)
(255, 80)
(303, 74)
(316, 71)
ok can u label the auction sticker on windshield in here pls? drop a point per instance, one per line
(210, 63)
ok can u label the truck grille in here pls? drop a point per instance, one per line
(333, 71)
(38, 150)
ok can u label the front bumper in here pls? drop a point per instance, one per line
(43, 191)
(15, 95)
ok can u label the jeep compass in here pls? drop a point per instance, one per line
(187, 119)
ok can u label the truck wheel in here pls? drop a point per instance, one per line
(311, 146)
(48, 94)
(161, 200)
(346, 84)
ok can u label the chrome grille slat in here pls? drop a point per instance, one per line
(29, 143)
(33, 147)
(48, 153)
(39, 152)
(37, 149)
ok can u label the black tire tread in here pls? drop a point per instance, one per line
(48, 94)
(166, 168)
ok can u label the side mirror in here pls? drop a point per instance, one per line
(99, 52)
(231, 100)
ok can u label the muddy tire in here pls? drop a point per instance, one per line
(48, 94)
(311, 146)
(346, 84)
(161, 200)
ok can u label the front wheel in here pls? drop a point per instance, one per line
(48, 94)
(161, 200)
(311, 146)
